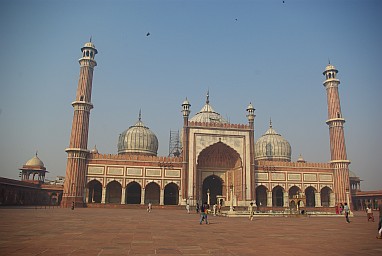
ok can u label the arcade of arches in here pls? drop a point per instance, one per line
(279, 197)
(133, 193)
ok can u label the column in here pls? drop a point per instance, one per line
(269, 199)
(123, 199)
(86, 195)
(318, 199)
(103, 195)
(286, 199)
(143, 196)
(161, 197)
(332, 199)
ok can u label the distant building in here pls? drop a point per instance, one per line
(32, 189)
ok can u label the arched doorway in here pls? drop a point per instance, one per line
(113, 192)
(95, 191)
(277, 196)
(133, 193)
(310, 197)
(224, 160)
(325, 196)
(261, 196)
(214, 185)
(171, 194)
(294, 193)
(152, 193)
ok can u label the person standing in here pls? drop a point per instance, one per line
(188, 208)
(250, 210)
(347, 211)
(197, 208)
(149, 207)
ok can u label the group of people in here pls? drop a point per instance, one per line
(341, 209)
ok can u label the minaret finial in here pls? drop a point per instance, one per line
(329, 60)
(90, 39)
(208, 96)
(140, 115)
(270, 122)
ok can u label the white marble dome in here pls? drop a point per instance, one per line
(138, 139)
(272, 146)
(208, 115)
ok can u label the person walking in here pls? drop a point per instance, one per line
(379, 236)
(197, 208)
(250, 210)
(347, 211)
(203, 213)
(369, 212)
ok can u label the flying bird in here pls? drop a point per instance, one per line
(235, 19)
(148, 33)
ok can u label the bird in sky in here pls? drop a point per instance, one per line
(148, 33)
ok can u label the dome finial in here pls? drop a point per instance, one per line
(36, 152)
(140, 115)
(208, 96)
(90, 39)
(270, 122)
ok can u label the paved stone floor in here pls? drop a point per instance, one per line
(29, 231)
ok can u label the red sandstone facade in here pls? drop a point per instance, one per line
(217, 164)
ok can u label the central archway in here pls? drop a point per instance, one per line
(219, 166)
(214, 185)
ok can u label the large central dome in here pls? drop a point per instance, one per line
(138, 139)
(208, 115)
(272, 146)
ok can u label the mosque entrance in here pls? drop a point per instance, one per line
(213, 185)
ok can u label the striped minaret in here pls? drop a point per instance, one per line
(74, 186)
(337, 138)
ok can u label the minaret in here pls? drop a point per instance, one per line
(186, 113)
(251, 121)
(74, 185)
(337, 138)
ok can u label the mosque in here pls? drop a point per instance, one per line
(218, 162)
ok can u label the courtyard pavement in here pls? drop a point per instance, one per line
(93, 231)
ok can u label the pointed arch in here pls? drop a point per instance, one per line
(152, 193)
(213, 185)
(94, 191)
(113, 192)
(171, 194)
(278, 196)
(310, 196)
(325, 196)
(219, 155)
(133, 193)
(261, 196)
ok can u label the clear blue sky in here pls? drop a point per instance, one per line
(273, 55)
